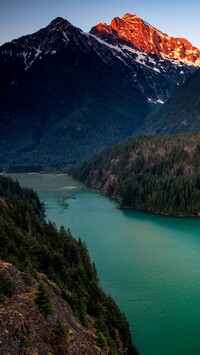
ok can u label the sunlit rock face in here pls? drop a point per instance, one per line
(133, 30)
(53, 81)
(151, 61)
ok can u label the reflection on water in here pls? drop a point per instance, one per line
(64, 194)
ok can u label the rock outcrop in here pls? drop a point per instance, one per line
(26, 329)
(133, 30)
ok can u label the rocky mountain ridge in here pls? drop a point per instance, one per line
(66, 94)
(133, 30)
(60, 100)
(49, 40)
(151, 61)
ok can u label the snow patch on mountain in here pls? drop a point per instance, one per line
(128, 44)
(144, 36)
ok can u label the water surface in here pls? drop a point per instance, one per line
(150, 264)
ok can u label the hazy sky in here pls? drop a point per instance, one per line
(175, 17)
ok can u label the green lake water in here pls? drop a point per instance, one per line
(150, 264)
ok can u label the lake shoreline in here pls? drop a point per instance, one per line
(104, 194)
(143, 210)
(148, 263)
(154, 213)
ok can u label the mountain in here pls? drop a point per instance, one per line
(141, 52)
(60, 101)
(165, 62)
(159, 174)
(66, 94)
(133, 30)
(180, 114)
(50, 297)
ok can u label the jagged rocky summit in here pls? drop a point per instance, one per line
(155, 63)
(66, 94)
(133, 30)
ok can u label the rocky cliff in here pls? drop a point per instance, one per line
(139, 33)
(26, 329)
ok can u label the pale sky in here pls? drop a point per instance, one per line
(177, 18)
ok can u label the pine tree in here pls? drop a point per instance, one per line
(43, 300)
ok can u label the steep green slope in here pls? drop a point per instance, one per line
(180, 114)
(158, 174)
(33, 246)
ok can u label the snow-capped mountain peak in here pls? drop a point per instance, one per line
(49, 40)
(151, 61)
(138, 33)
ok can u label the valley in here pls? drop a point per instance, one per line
(150, 264)
(104, 126)
(50, 296)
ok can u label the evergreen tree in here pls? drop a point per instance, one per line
(43, 300)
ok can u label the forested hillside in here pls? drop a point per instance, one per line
(36, 247)
(158, 174)
(180, 114)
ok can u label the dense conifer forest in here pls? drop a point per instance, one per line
(156, 174)
(34, 245)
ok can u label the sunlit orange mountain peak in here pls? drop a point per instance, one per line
(134, 31)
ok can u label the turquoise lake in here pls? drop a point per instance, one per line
(150, 264)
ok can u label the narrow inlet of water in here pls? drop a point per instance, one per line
(149, 264)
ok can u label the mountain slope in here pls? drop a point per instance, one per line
(68, 115)
(132, 29)
(180, 114)
(65, 94)
(24, 328)
(164, 62)
(65, 97)
(158, 174)
(57, 286)
(146, 57)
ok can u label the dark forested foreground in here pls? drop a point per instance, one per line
(35, 246)
(156, 174)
